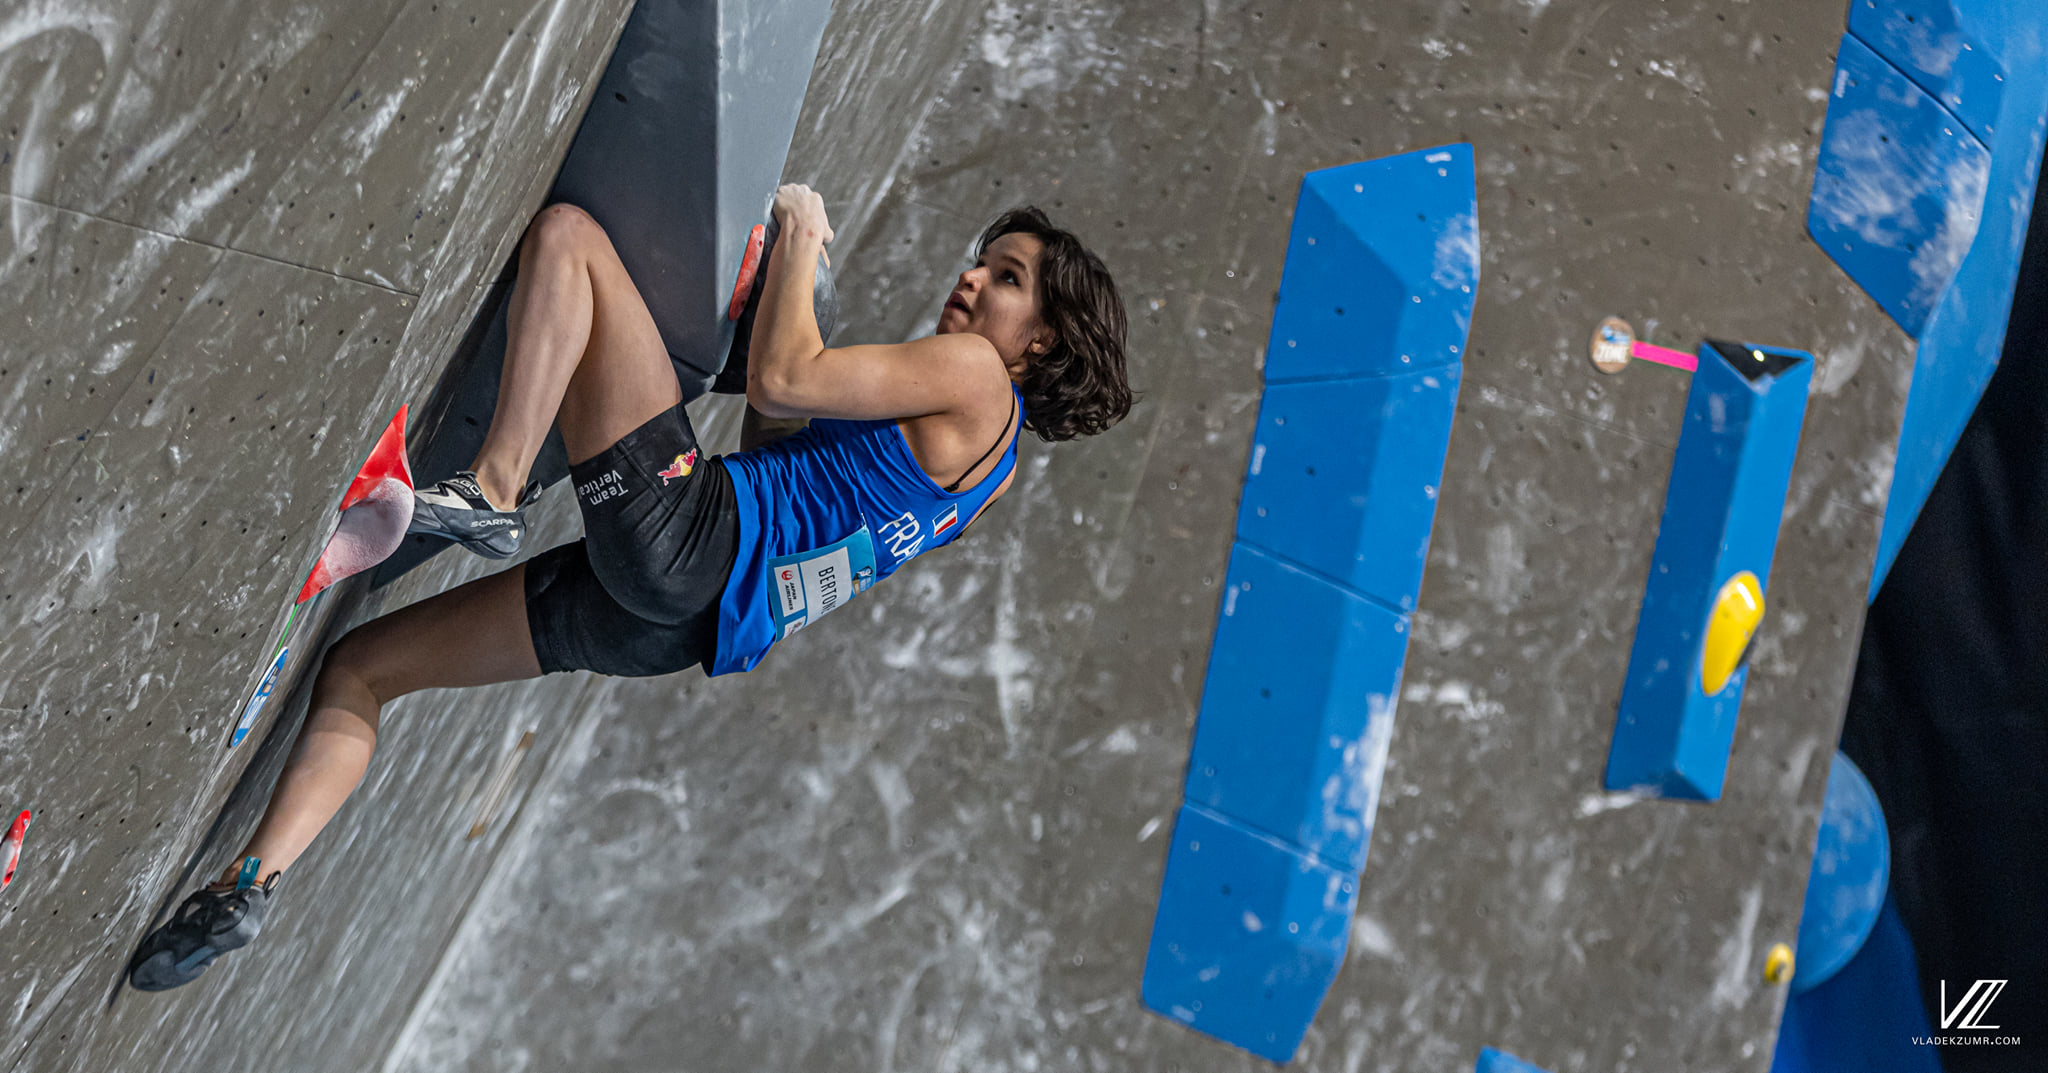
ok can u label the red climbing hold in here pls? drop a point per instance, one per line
(374, 514)
(10, 850)
(749, 265)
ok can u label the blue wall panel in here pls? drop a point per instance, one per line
(1984, 63)
(1959, 349)
(1898, 189)
(1943, 50)
(1290, 748)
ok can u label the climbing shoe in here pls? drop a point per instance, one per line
(208, 924)
(456, 509)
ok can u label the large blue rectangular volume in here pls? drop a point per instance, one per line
(1381, 263)
(1722, 511)
(1334, 483)
(1362, 369)
(1249, 937)
(1303, 762)
(1494, 1061)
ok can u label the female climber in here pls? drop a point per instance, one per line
(689, 560)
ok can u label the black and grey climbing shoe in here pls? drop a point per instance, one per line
(456, 509)
(207, 925)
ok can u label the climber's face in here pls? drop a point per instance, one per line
(997, 299)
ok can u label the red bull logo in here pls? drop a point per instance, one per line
(679, 468)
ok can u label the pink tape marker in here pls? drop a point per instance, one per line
(1677, 359)
(10, 850)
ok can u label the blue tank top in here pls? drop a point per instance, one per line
(826, 513)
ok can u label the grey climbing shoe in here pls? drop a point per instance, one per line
(456, 510)
(207, 925)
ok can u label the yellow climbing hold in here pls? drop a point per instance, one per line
(1778, 964)
(1737, 610)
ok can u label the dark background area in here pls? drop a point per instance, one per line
(1949, 712)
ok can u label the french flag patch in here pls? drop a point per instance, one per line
(946, 520)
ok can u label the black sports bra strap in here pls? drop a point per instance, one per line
(955, 486)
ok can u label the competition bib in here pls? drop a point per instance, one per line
(805, 586)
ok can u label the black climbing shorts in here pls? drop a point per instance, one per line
(638, 595)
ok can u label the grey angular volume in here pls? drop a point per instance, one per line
(732, 377)
(683, 141)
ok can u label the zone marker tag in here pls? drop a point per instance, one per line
(1677, 359)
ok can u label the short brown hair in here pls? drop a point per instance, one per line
(1077, 387)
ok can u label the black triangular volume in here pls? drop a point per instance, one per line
(1752, 363)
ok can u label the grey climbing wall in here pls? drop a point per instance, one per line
(929, 836)
(234, 238)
